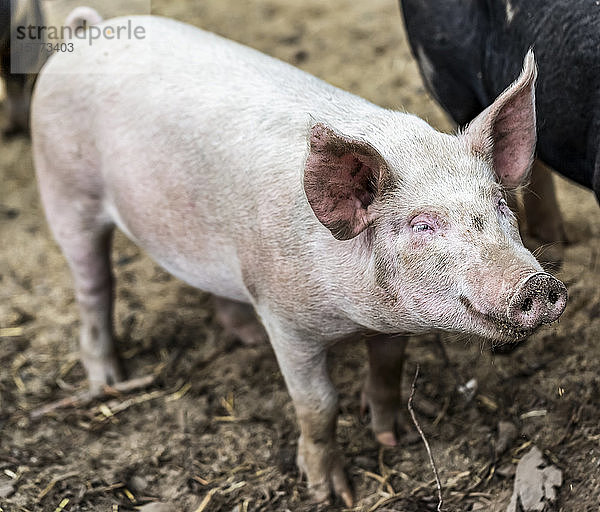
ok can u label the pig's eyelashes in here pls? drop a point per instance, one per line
(423, 223)
(420, 227)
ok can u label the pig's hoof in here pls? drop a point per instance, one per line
(321, 491)
(103, 372)
(384, 419)
(325, 476)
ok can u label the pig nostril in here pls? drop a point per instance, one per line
(539, 299)
(527, 304)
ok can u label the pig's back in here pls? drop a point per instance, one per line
(195, 143)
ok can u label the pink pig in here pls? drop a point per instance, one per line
(330, 216)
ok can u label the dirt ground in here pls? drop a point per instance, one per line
(216, 429)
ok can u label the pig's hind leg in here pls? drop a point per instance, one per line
(239, 321)
(88, 254)
(382, 389)
(84, 233)
(94, 286)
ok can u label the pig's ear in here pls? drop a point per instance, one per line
(342, 177)
(505, 131)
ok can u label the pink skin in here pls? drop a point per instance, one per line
(330, 216)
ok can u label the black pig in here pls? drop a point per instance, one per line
(14, 14)
(470, 50)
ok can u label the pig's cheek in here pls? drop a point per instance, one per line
(430, 269)
(422, 241)
(446, 273)
(431, 250)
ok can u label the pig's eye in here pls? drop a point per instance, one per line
(424, 223)
(420, 227)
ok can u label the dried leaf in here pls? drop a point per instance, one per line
(534, 483)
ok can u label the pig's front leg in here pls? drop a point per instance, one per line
(302, 360)
(382, 389)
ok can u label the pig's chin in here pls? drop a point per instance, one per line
(492, 327)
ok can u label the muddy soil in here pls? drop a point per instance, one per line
(216, 430)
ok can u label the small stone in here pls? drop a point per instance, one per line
(506, 471)
(7, 489)
(138, 483)
(507, 433)
(427, 407)
(301, 56)
(157, 507)
(10, 213)
(468, 390)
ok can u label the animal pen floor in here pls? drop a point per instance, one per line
(215, 429)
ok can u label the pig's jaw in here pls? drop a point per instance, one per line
(490, 326)
(409, 315)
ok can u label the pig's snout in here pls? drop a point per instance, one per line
(540, 299)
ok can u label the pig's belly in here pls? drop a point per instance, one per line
(211, 265)
(207, 276)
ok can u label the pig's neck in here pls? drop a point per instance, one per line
(367, 304)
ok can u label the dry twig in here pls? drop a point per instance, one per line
(85, 397)
(425, 442)
(206, 499)
(53, 482)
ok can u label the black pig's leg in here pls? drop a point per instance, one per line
(544, 220)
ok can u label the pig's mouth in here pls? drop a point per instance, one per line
(500, 330)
